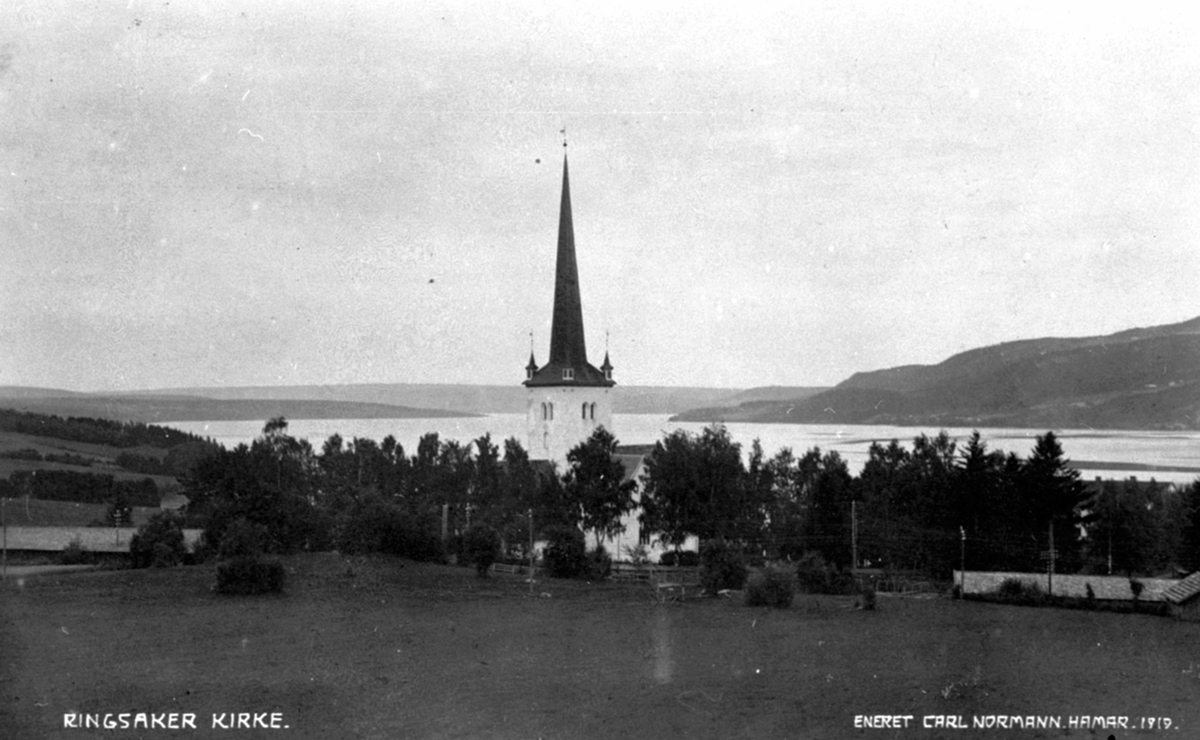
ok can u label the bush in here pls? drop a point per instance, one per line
(482, 547)
(817, 576)
(246, 575)
(866, 599)
(679, 558)
(158, 542)
(599, 564)
(721, 567)
(1016, 591)
(770, 587)
(241, 570)
(376, 525)
(242, 540)
(565, 555)
(75, 554)
(1016, 588)
(637, 554)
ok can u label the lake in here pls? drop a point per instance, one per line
(1083, 447)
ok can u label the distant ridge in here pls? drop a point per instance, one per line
(365, 401)
(1144, 378)
(158, 409)
(465, 398)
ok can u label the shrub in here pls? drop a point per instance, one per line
(817, 576)
(721, 567)
(241, 570)
(158, 542)
(565, 554)
(599, 564)
(1016, 588)
(1016, 591)
(247, 575)
(75, 554)
(680, 558)
(866, 599)
(637, 554)
(242, 539)
(376, 525)
(770, 587)
(482, 547)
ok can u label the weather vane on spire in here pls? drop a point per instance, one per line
(563, 131)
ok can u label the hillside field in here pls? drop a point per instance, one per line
(380, 648)
(20, 512)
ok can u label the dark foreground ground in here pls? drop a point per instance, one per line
(394, 649)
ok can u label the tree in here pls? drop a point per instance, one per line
(693, 485)
(1189, 552)
(1051, 499)
(827, 522)
(119, 512)
(980, 503)
(596, 483)
(271, 483)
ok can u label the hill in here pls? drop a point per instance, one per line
(1146, 378)
(152, 408)
(373, 400)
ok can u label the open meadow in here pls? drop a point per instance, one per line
(382, 648)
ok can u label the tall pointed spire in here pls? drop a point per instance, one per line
(568, 364)
(567, 345)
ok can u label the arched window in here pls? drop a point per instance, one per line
(593, 412)
(545, 414)
(584, 411)
(551, 411)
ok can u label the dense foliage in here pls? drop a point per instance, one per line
(775, 587)
(925, 508)
(94, 431)
(483, 547)
(565, 555)
(721, 567)
(159, 542)
(84, 488)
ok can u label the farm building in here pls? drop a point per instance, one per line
(1184, 598)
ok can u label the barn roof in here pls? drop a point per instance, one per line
(1184, 590)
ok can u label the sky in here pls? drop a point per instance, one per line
(288, 193)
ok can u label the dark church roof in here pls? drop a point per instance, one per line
(568, 363)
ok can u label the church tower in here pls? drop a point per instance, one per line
(568, 397)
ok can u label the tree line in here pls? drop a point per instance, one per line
(928, 508)
(95, 431)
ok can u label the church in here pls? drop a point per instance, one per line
(568, 397)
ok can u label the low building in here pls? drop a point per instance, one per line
(1184, 598)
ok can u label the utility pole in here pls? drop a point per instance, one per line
(853, 536)
(1050, 580)
(530, 550)
(962, 579)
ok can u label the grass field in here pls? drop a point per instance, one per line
(394, 649)
(103, 457)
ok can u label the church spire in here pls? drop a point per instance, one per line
(566, 332)
(568, 364)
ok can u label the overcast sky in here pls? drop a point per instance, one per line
(237, 193)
